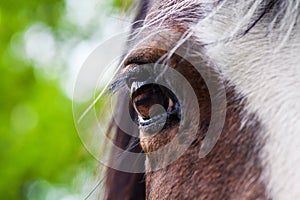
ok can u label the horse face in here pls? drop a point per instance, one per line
(194, 70)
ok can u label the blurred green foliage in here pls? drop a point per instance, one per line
(38, 140)
(123, 5)
(39, 146)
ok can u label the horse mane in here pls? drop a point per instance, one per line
(119, 184)
(124, 185)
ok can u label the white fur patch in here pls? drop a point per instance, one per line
(265, 68)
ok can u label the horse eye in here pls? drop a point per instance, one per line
(146, 98)
(156, 106)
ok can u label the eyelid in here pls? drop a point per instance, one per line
(140, 73)
(143, 56)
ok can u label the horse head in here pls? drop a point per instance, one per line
(213, 87)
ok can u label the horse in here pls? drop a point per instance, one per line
(213, 89)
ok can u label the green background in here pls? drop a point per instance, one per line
(40, 150)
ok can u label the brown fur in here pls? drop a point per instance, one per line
(230, 171)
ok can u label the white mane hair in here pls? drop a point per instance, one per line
(255, 44)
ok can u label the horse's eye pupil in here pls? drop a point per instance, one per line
(150, 100)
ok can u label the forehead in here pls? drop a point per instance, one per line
(170, 13)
